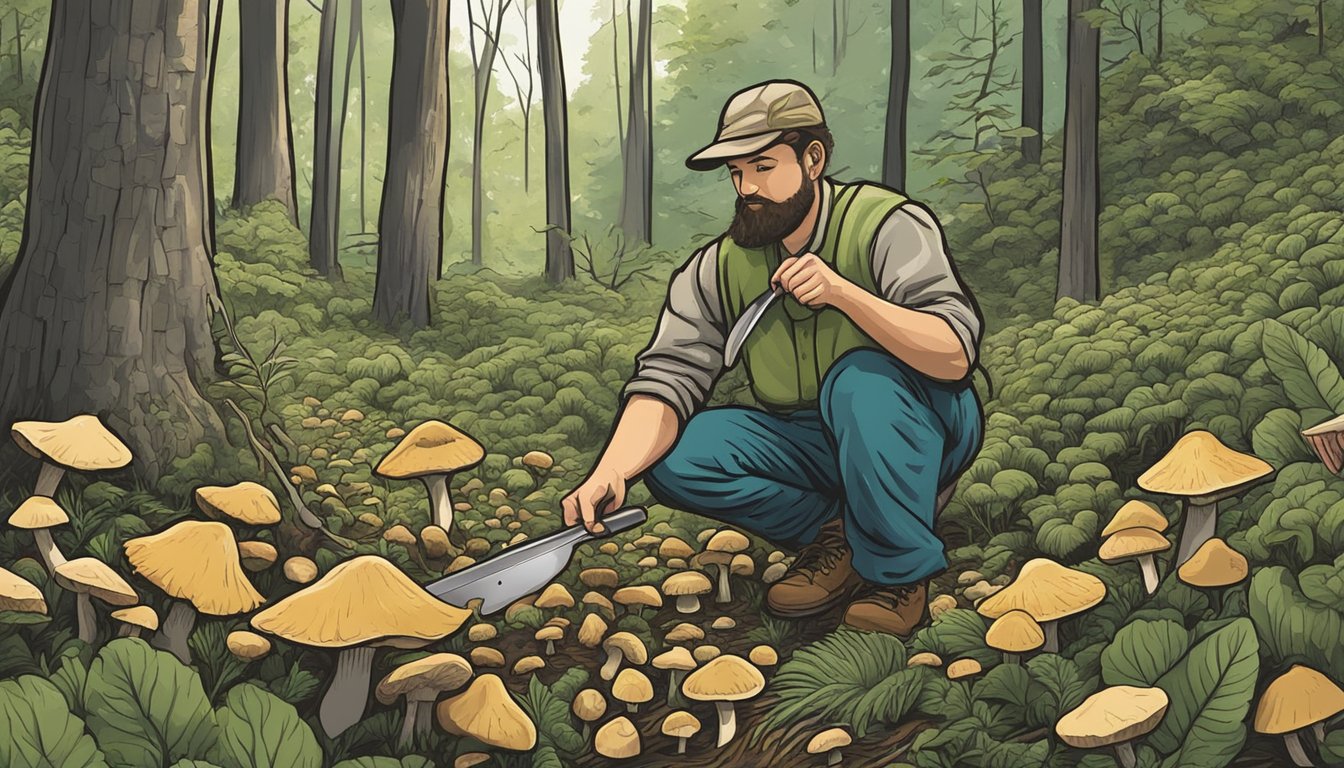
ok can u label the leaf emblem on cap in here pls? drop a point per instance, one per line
(783, 112)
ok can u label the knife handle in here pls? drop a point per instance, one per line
(621, 520)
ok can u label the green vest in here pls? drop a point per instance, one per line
(790, 350)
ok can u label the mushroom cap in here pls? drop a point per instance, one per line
(599, 577)
(18, 594)
(617, 738)
(588, 705)
(1046, 590)
(1296, 699)
(706, 653)
(1136, 514)
(592, 630)
(684, 632)
(600, 601)
(432, 448)
(724, 678)
(38, 512)
(479, 633)
(435, 674)
(687, 583)
(1015, 632)
(300, 569)
(1214, 564)
(486, 712)
(89, 575)
(557, 621)
(483, 656)
(674, 547)
(1113, 715)
(648, 562)
(362, 600)
(1200, 466)
(139, 616)
(630, 646)
(742, 565)
(257, 555)
(763, 656)
(247, 502)
(675, 658)
(248, 646)
(727, 540)
(925, 659)
(1130, 543)
(196, 561)
(399, 534)
(647, 540)
(528, 664)
(632, 687)
(723, 622)
(680, 724)
(538, 460)
(81, 443)
(550, 632)
(963, 668)
(471, 760)
(555, 596)
(832, 738)
(644, 595)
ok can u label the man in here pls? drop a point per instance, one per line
(862, 371)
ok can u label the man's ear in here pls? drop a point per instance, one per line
(814, 160)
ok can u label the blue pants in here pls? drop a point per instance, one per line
(881, 444)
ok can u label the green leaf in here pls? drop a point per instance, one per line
(1277, 438)
(258, 730)
(958, 633)
(1211, 690)
(1294, 627)
(1059, 688)
(410, 761)
(1142, 652)
(1309, 377)
(40, 731)
(144, 706)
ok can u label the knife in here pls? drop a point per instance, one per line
(737, 336)
(518, 571)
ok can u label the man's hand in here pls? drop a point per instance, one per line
(602, 492)
(811, 281)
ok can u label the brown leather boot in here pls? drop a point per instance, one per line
(895, 609)
(819, 579)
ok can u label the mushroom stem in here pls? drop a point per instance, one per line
(1149, 569)
(550, 647)
(1010, 658)
(88, 621)
(48, 479)
(1124, 753)
(344, 702)
(681, 745)
(833, 757)
(613, 663)
(674, 698)
(1319, 730)
(724, 594)
(1295, 750)
(51, 554)
(688, 604)
(440, 502)
(172, 634)
(424, 717)
(632, 707)
(1197, 529)
(128, 630)
(727, 721)
(1051, 630)
(408, 723)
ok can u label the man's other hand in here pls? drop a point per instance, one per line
(602, 492)
(810, 280)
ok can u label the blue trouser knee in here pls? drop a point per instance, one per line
(882, 442)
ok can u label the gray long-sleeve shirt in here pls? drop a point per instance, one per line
(911, 268)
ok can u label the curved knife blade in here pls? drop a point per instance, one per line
(737, 336)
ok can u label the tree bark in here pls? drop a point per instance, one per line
(637, 197)
(410, 221)
(329, 120)
(1031, 79)
(559, 256)
(1079, 276)
(363, 128)
(484, 67)
(898, 91)
(265, 161)
(107, 309)
(616, 76)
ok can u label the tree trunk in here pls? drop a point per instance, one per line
(1031, 79)
(363, 131)
(484, 68)
(265, 162)
(410, 221)
(18, 46)
(1078, 269)
(1161, 27)
(325, 215)
(616, 76)
(637, 197)
(1320, 27)
(898, 91)
(559, 256)
(107, 309)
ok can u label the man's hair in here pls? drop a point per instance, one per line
(800, 138)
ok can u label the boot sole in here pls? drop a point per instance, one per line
(802, 612)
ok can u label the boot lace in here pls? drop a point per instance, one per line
(824, 553)
(893, 596)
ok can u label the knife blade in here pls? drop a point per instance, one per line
(737, 335)
(513, 573)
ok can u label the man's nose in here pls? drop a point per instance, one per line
(746, 188)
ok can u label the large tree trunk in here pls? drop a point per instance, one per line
(637, 197)
(410, 222)
(898, 91)
(265, 163)
(1031, 79)
(484, 68)
(107, 309)
(329, 122)
(1078, 269)
(559, 256)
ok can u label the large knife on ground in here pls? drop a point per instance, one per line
(520, 570)
(737, 335)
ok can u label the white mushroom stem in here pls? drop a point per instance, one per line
(1197, 528)
(688, 604)
(51, 554)
(416, 722)
(1124, 753)
(1051, 630)
(681, 745)
(550, 647)
(173, 632)
(724, 594)
(48, 479)
(88, 620)
(727, 721)
(344, 702)
(424, 717)
(612, 664)
(1149, 568)
(1295, 750)
(440, 503)
(632, 707)
(128, 630)
(408, 723)
(833, 757)
(1319, 730)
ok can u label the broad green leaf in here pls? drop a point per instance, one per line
(1211, 690)
(958, 633)
(410, 761)
(1278, 440)
(1142, 652)
(258, 730)
(1058, 687)
(39, 731)
(1309, 376)
(1294, 627)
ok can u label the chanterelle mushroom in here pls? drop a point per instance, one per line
(548, 635)
(361, 604)
(1299, 698)
(719, 551)
(196, 562)
(19, 595)
(1138, 544)
(38, 514)
(135, 619)
(1214, 565)
(686, 587)
(89, 577)
(1014, 633)
(617, 739)
(1203, 471)
(421, 681)
(1048, 592)
(487, 713)
(681, 725)
(247, 502)
(247, 646)
(592, 630)
(636, 598)
(1135, 514)
(724, 680)
(433, 452)
(829, 743)
(80, 443)
(622, 646)
(632, 688)
(1113, 717)
(676, 661)
(589, 705)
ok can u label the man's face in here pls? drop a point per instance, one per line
(774, 193)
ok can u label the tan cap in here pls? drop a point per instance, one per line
(677, 658)
(1046, 590)
(91, 576)
(1015, 632)
(754, 117)
(963, 668)
(684, 632)
(1296, 699)
(80, 443)
(1214, 564)
(592, 630)
(424, 678)
(246, 502)
(1112, 716)
(832, 738)
(644, 595)
(632, 687)
(248, 646)
(1201, 467)
(1128, 543)
(763, 656)
(433, 448)
(38, 512)
(724, 678)
(554, 596)
(486, 712)
(681, 724)
(1136, 514)
(617, 739)
(588, 705)
(18, 594)
(196, 561)
(599, 577)
(138, 615)
(528, 664)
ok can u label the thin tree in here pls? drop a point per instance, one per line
(840, 32)
(410, 220)
(107, 308)
(483, 65)
(637, 194)
(357, 25)
(550, 64)
(1320, 27)
(1031, 79)
(616, 76)
(1079, 272)
(265, 149)
(324, 228)
(524, 94)
(898, 90)
(1161, 27)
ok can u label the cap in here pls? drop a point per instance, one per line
(433, 448)
(617, 739)
(1113, 715)
(196, 561)
(486, 712)
(1047, 591)
(755, 117)
(1200, 466)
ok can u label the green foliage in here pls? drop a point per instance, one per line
(548, 706)
(258, 730)
(1298, 618)
(40, 730)
(958, 633)
(1143, 652)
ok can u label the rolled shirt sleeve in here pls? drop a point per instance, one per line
(912, 268)
(685, 356)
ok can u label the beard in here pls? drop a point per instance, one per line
(753, 228)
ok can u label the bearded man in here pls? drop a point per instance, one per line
(862, 372)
